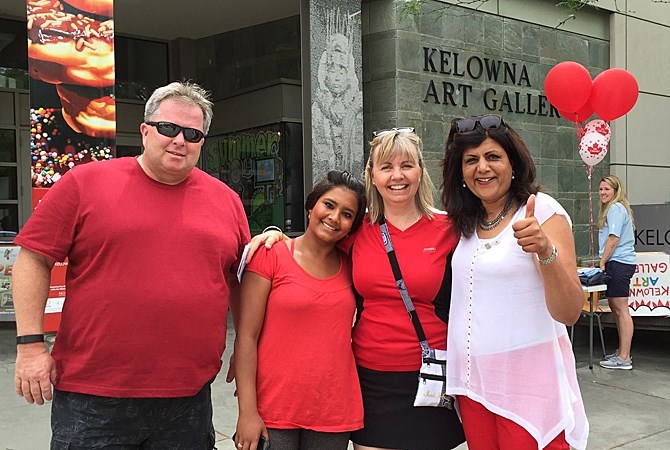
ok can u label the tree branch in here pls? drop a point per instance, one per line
(415, 7)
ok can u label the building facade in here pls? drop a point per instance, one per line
(276, 115)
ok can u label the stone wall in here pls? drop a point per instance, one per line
(424, 70)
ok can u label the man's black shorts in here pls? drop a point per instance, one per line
(81, 421)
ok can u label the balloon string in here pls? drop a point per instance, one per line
(579, 129)
(589, 171)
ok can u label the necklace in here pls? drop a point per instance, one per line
(488, 226)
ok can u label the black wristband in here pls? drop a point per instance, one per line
(29, 339)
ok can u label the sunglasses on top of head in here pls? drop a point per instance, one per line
(392, 130)
(487, 122)
(170, 129)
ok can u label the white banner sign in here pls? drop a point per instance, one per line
(650, 285)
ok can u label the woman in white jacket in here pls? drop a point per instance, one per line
(515, 287)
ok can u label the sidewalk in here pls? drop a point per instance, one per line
(627, 410)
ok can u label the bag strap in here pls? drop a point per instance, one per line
(397, 274)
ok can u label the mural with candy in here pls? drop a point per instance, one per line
(610, 95)
(72, 104)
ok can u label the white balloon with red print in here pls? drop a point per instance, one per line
(600, 127)
(593, 148)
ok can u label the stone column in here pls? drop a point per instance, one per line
(332, 88)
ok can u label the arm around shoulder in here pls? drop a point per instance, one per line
(268, 237)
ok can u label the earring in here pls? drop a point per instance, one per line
(512, 174)
(463, 183)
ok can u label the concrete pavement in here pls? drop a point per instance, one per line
(627, 410)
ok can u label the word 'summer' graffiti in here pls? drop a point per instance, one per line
(250, 163)
(220, 151)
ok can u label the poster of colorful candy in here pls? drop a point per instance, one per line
(72, 101)
(71, 66)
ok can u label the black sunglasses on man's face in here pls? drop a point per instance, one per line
(170, 129)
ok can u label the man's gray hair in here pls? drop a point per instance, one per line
(184, 92)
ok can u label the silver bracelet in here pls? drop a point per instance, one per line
(550, 259)
(272, 228)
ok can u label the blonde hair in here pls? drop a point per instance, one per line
(619, 197)
(383, 148)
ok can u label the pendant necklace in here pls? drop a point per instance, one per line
(488, 226)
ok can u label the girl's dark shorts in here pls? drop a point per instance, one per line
(619, 284)
(392, 421)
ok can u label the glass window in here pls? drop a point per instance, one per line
(127, 150)
(9, 220)
(264, 166)
(141, 67)
(244, 59)
(7, 146)
(13, 54)
(8, 186)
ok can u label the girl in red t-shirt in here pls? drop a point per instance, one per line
(294, 366)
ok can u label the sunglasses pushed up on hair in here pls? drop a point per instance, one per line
(170, 129)
(487, 122)
(392, 130)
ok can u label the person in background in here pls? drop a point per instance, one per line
(515, 287)
(152, 245)
(386, 347)
(295, 371)
(616, 241)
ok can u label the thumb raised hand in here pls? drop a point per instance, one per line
(530, 207)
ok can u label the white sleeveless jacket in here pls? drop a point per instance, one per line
(504, 349)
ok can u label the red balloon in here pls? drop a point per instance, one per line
(614, 93)
(579, 116)
(568, 86)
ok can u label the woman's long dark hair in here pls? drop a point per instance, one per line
(464, 208)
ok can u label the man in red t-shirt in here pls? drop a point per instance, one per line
(152, 245)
